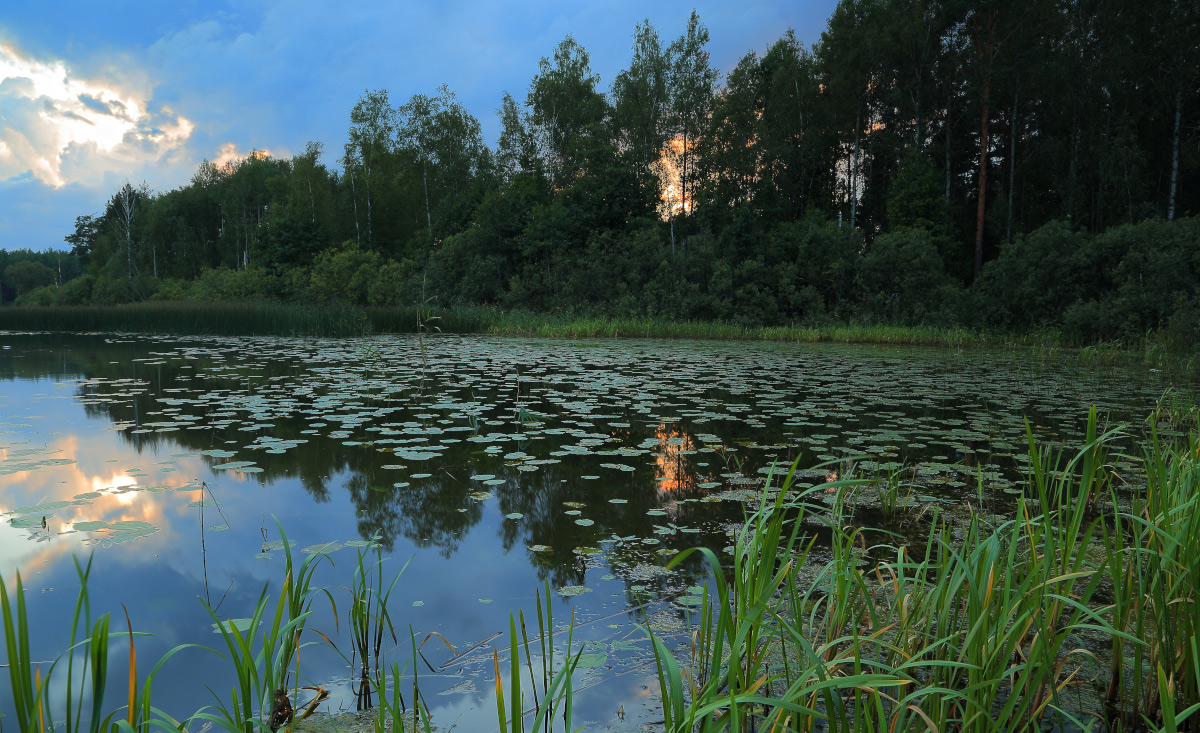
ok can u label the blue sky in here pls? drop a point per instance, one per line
(94, 94)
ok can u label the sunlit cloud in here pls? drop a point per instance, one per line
(229, 155)
(60, 128)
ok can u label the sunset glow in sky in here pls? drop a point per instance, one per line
(94, 95)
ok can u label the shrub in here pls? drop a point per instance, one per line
(902, 278)
(824, 260)
(253, 283)
(1037, 277)
(44, 295)
(173, 289)
(1157, 273)
(75, 292)
(344, 274)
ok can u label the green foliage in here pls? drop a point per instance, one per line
(1036, 278)
(915, 198)
(1121, 284)
(27, 275)
(901, 279)
(75, 292)
(976, 628)
(344, 275)
(833, 182)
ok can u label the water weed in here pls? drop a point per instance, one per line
(1079, 608)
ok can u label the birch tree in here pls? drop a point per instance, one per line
(372, 135)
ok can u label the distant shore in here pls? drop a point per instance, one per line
(278, 319)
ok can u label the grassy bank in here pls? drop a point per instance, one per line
(1078, 610)
(266, 318)
(276, 319)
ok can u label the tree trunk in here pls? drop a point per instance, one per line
(425, 183)
(917, 117)
(854, 172)
(947, 161)
(800, 145)
(1175, 153)
(370, 233)
(354, 200)
(981, 206)
(1012, 161)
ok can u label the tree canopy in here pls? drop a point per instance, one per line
(920, 163)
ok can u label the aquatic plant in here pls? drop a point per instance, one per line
(32, 692)
(978, 632)
(260, 675)
(557, 693)
(369, 618)
(1155, 573)
(991, 624)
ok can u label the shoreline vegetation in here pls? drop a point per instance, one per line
(262, 318)
(1071, 604)
(895, 171)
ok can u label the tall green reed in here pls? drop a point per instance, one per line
(978, 631)
(86, 673)
(1154, 568)
(263, 648)
(556, 686)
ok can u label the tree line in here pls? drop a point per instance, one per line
(993, 163)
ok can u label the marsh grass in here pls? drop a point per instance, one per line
(32, 697)
(273, 318)
(1081, 608)
(263, 648)
(1176, 408)
(557, 690)
(369, 619)
(1155, 569)
(991, 626)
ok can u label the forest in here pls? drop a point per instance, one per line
(1011, 166)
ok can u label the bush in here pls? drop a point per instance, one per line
(902, 278)
(394, 285)
(173, 289)
(1158, 272)
(344, 274)
(823, 260)
(44, 295)
(222, 284)
(1037, 277)
(75, 292)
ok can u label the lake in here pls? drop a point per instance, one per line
(486, 468)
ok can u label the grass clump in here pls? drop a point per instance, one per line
(1080, 609)
(996, 625)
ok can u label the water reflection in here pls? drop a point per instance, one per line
(172, 458)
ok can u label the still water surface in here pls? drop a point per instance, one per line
(490, 466)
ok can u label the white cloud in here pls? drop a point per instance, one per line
(229, 155)
(61, 128)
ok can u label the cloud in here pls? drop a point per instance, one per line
(99, 96)
(229, 154)
(61, 128)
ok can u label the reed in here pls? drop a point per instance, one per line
(557, 686)
(1155, 569)
(261, 676)
(986, 626)
(32, 692)
(978, 632)
(369, 619)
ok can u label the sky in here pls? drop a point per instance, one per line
(96, 94)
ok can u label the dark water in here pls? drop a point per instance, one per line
(491, 466)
